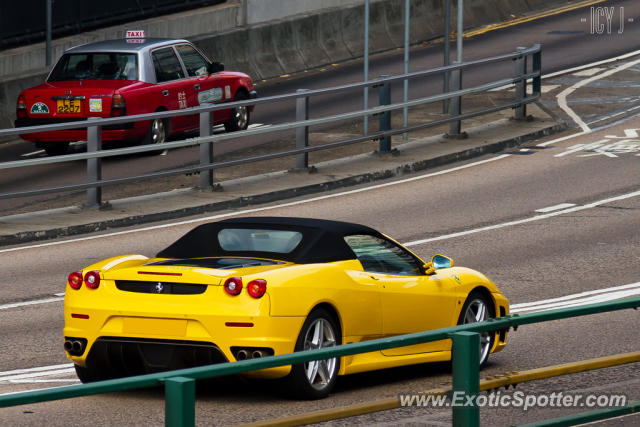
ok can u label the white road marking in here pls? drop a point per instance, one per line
(33, 153)
(568, 298)
(588, 73)
(562, 96)
(564, 138)
(56, 380)
(591, 300)
(548, 88)
(37, 369)
(525, 220)
(259, 209)
(555, 207)
(579, 68)
(32, 302)
(43, 373)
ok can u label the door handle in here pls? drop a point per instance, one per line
(165, 93)
(197, 86)
(374, 277)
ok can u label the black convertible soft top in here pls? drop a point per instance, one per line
(322, 240)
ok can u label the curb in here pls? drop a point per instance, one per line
(419, 165)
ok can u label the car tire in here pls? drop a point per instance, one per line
(477, 308)
(315, 379)
(90, 375)
(56, 148)
(239, 115)
(156, 134)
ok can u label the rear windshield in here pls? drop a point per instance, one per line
(257, 240)
(96, 66)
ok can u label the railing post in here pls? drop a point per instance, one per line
(455, 106)
(384, 96)
(537, 68)
(466, 380)
(94, 165)
(447, 55)
(179, 402)
(206, 151)
(302, 133)
(521, 86)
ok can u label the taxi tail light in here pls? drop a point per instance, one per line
(257, 288)
(21, 107)
(233, 285)
(118, 105)
(92, 279)
(75, 280)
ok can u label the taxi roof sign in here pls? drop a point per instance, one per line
(135, 34)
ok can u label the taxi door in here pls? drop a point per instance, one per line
(172, 85)
(202, 86)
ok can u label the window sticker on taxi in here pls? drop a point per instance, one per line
(95, 105)
(210, 95)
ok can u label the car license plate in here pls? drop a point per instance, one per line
(69, 106)
(154, 326)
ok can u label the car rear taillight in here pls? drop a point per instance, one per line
(118, 105)
(257, 288)
(75, 280)
(21, 107)
(233, 285)
(92, 279)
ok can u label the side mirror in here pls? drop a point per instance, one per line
(216, 67)
(437, 262)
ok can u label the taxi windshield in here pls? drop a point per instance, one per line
(96, 66)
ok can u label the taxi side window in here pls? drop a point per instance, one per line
(166, 65)
(195, 64)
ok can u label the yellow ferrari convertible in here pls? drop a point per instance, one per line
(253, 287)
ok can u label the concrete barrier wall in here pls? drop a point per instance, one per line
(323, 35)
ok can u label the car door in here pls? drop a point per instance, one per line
(204, 87)
(411, 301)
(172, 84)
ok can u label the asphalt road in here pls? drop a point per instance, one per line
(480, 216)
(566, 38)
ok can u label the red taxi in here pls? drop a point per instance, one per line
(131, 76)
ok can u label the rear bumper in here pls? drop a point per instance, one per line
(121, 132)
(176, 325)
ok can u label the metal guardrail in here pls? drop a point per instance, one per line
(180, 384)
(207, 165)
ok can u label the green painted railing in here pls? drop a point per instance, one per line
(180, 384)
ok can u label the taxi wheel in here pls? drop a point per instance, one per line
(315, 379)
(157, 133)
(239, 116)
(478, 308)
(56, 148)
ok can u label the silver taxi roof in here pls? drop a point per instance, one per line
(124, 45)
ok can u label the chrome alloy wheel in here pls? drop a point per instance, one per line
(241, 117)
(477, 311)
(320, 334)
(158, 133)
